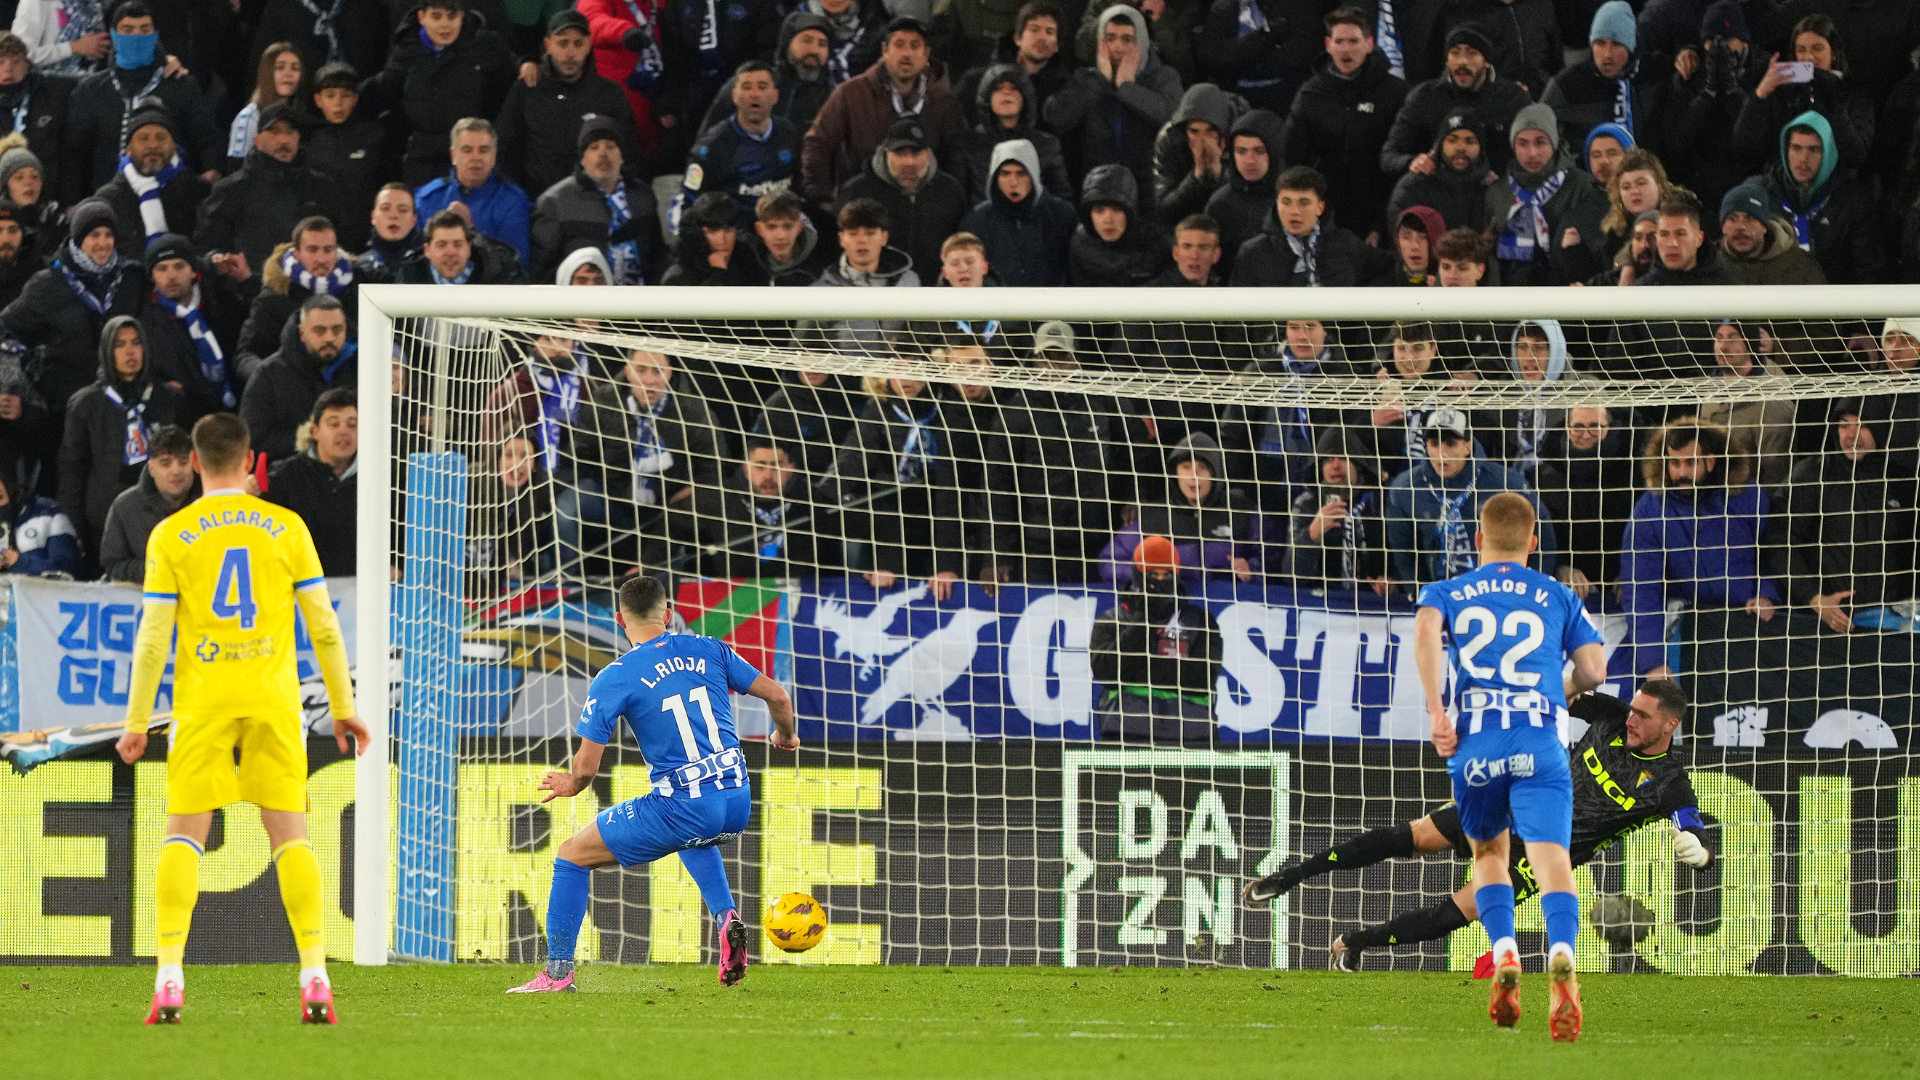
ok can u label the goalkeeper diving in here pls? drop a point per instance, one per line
(227, 572)
(1625, 777)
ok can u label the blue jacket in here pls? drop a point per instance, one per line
(1704, 553)
(1415, 543)
(500, 209)
(44, 537)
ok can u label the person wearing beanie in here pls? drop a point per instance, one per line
(751, 153)
(22, 184)
(254, 210)
(1757, 246)
(800, 70)
(1711, 85)
(1540, 203)
(604, 205)
(443, 64)
(538, 122)
(1811, 184)
(1456, 188)
(1521, 37)
(62, 308)
(100, 109)
(103, 448)
(1609, 86)
(192, 323)
(1338, 122)
(1156, 655)
(1605, 145)
(154, 192)
(1852, 544)
(44, 96)
(1470, 87)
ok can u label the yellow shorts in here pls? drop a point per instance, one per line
(271, 773)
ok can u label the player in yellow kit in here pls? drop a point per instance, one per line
(227, 571)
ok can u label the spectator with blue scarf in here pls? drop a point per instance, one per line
(1538, 198)
(62, 309)
(108, 429)
(154, 187)
(896, 483)
(762, 521)
(1832, 213)
(496, 206)
(1610, 86)
(1433, 508)
(192, 323)
(315, 356)
(603, 205)
(104, 103)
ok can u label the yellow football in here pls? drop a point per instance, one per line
(796, 922)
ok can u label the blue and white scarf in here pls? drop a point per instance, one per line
(135, 448)
(153, 216)
(651, 458)
(246, 124)
(132, 101)
(1253, 20)
(773, 530)
(647, 63)
(90, 273)
(921, 448)
(1623, 96)
(1524, 236)
(78, 18)
(1803, 223)
(1288, 434)
(1387, 37)
(326, 24)
(20, 110)
(1457, 555)
(624, 257)
(213, 362)
(1353, 537)
(559, 403)
(333, 282)
(1306, 256)
(901, 109)
(458, 279)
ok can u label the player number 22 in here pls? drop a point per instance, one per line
(1517, 621)
(674, 705)
(236, 579)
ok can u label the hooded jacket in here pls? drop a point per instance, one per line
(854, 122)
(1524, 432)
(1155, 647)
(862, 336)
(1354, 551)
(1239, 206)
(1177, 192)
(803, 266)
(1491, 106)
(130, 521)
(1340, 258)
(919, 223)
(1416, 511)
(1027, 242)
(1339, 125)
(1579, 203)
(280, 395)
(966, 156)
(256, 208)
(1700, 545)
(50, 317)
(800, 98)
(1853, 525)
(1209, 535)
(1136, 256)
(1460, 196)
(426, 92)
(539, 126)
(1834, 216)
(1104, 124)
(94, 447)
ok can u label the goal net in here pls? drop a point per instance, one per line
(1095, 605)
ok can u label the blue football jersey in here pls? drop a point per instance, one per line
(1509, 632)
(675, 694)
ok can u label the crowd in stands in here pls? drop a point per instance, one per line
(193, 190)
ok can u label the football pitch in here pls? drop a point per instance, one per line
(455, 1023)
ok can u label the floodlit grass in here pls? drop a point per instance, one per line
(455, 1023)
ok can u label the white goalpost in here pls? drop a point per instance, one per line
(928, 513)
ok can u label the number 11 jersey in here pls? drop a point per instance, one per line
(1509, 633)
(674, 692)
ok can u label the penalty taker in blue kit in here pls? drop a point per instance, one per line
(674, 692)
(1506, 629)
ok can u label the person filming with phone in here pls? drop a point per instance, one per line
(1811, 79)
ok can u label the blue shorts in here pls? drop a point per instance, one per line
(1514, 780)
(654, 826)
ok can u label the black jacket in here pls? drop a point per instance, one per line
(1131, 648)
(1490, 107)
(49, 97)
(494, 263)
(93, 449)
(1849, 235)
(1460, 198)
(744, 29)
(255, 209)
(63, 332)
(16, 272)
(1590, 496)
(1263, 66)
(736, 543)
(810, 421)
(307, 486)
(174, 357)
(1582, 99)
(1240, 206)
(967, 156)
(279, 298)
(94, 115)
(1525, 35)
(1132, 260)
(810, 258)
(280, 395)
(1339, 125)
(1341, 259)
(1027, 241)
(130, 521)
(362, 30)
(357, 157)
(539, 126)
(800, 99)
(917, 224)
(1056, 442)
(424, 93)
(1853, 526)
(903, 521)
(603, 439)
(180, 200)
(573, 214)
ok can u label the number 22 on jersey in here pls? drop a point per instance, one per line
(1484, 626)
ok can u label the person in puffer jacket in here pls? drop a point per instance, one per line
(1026, 231)
(1115, 246)
(966, 156)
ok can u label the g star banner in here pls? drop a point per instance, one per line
(75, 647)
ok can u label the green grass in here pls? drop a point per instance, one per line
(453, 1023)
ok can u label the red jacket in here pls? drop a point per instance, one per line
(607, 22)
(856, 118)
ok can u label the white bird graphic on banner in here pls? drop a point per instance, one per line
(919, 671)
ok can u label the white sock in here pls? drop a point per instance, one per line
(169, 973)
(1505, 944)
(307, 975)
(1560, 947)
